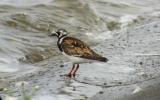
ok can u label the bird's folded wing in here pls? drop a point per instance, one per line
(74, 47)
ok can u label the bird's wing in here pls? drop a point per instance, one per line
(77, 48)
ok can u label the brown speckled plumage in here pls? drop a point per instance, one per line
(74, 47)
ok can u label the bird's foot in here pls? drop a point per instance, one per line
(66, 76)
(74, 75)
(69, 75)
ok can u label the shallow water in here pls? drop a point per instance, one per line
(24, 25)
(24, 41)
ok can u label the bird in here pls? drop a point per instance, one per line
(76, 50)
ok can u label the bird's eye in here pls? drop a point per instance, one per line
(58, 33)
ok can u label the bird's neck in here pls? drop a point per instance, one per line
(60, 39)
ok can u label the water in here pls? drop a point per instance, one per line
(24, 41)
(24, 25)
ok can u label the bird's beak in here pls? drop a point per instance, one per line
(53, 33)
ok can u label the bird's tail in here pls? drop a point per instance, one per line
(99, 58)
(102, 59)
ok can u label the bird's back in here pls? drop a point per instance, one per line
(77, 48)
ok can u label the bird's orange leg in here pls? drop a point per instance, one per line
(74, 73)
(70, 73)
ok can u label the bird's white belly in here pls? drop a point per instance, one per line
(77, 59)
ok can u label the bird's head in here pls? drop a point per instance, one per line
(59, 33)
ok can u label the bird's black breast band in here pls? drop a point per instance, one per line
(59, 44)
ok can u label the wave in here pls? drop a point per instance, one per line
(24, 25)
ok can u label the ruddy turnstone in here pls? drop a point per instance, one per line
(76, 50)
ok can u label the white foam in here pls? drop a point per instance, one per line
(24, 2)
(156, 14)
(8, 64)
(5, 68)
(100, 36)
(126, 19)
(137, 89)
